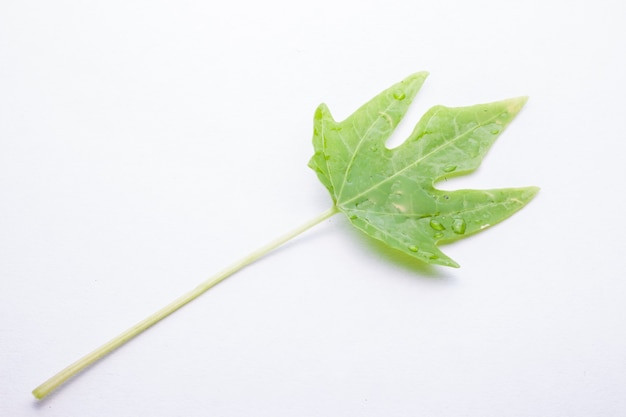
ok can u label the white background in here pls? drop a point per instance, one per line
(145, 145)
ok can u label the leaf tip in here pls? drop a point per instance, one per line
(530, 193)
(321, 111)
(514, 105)
(444, 260)
(420, 75)
(414, 81)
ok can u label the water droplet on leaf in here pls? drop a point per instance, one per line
(438, 235)
(413, 248)
(495, 131)
(436, 224)
(459, 226)
(449, 168)
(399, 95)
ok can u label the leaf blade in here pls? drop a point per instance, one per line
(389, 193)
(337, 145)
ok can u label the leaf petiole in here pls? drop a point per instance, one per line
(54, 382)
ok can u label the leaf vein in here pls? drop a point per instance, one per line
(419, 160)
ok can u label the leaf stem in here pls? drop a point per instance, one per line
(54, 382)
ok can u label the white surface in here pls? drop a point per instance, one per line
(146, 144)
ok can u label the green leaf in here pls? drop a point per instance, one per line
(389, 193)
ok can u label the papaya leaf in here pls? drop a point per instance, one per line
(389, 193)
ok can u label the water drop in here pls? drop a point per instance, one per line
(449, 168)
(459, 226)
(413, 248)
(495, 131)
(374, 148)
(353, 216)
(430, 255)
(436, 224)
(438, 235)
(326, 157)
(399, 95)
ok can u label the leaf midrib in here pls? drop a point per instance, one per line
(448, 213)
(416, 162)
